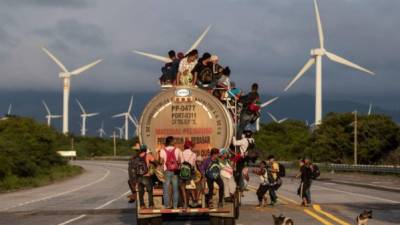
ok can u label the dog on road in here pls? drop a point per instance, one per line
(282, 220)
(363, 218)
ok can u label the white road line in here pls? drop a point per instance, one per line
(100, 207)
(59, 194)
(360, 195)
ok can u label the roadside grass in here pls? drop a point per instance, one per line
(45, 177)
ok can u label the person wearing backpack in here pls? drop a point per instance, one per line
(143, 174)
(170, 157)
(211, 170)
(276, 182)
(132, 181)
(186, 173)
(305, 175)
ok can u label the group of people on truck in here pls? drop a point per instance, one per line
(206, 73)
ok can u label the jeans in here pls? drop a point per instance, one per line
(272, 194)
(145, 182)
(170, 177)
(210, 184)
(304, 191)
(262, 189)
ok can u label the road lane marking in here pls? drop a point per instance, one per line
(315, 216)
(330, 216)
(97, 208)
(360, 195)
(59, 194)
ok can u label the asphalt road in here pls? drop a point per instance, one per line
(98, 196)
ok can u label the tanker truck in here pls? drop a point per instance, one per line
(188, 113)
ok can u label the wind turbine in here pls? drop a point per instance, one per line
(84, 116)
(167, 59)
(275, 120)
(267, 103)
(49, 116)
(128, 118)
(101, 130)
(370, 109)
(121, 131)
(316, 57)
(66, 76)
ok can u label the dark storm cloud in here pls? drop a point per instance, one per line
(50, 3)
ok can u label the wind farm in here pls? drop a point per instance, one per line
(216, 128)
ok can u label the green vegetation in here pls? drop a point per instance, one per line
(28, 154)
(378, 139)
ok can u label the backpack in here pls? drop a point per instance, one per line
(282, 170)
(140, 166)
(214, 170)
(171, 162)
(315, 172)
(185, 172)
(131, 168)
(206, 75)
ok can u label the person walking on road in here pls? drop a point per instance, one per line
(305, 175)
(276, 182)
(170, 157)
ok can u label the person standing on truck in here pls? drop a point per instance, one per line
(203, 71)
(212, 171)
(250, 111)
(187, 64)
(227, 175)
(186, 173)
(170, 69)
(143, 172)
(170, 157)
(132, 174)
(305, 175)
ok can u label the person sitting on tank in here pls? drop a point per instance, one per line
(170, 69)
(223, 84)
(211, 170)
(251, 108)
(186, 174)
(227, 175)
(186, 65)
(216, 68)
(203, 72)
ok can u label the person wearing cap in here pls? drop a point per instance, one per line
(210, 162)
(227, 175)
(186, 65)
(188, 187)
(215, 67)
(145, 181)
(203, 72)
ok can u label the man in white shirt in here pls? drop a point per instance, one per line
(171, 158)
(187, 64)
(243, 143)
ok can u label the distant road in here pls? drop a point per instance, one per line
(99, 197)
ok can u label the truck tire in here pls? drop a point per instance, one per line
(215, 220)
(229, 221)
(142, 221)
(156, 221)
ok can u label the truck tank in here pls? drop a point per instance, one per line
(186, 113)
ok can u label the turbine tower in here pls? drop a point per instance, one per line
(101, 130)
(370, 109)
(275, 120)
(49, 116)
(84, 116)
(128, 117)
(9, 110)
(166, 59)
(66, 76)
(267, 103)
(316, 57)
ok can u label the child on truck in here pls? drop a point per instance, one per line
(212, 171)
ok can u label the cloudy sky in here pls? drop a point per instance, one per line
(266, 41)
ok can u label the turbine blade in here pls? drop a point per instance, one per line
(55, 116)
(198, 41)
(273, 117)
(307, 66)
(58, 62)
(130, 105)
(80, 106)
(86, 67)
(152, 56)
(47, 108)
(92, 114)
(133, 121)
(283, 120)
(319, 25)
(9, 109)
(268, 102)
(370, 109)
(119, 115)
(343, 61)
